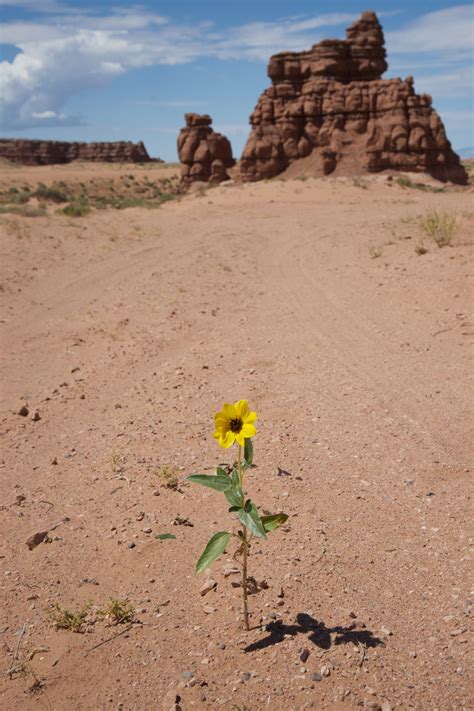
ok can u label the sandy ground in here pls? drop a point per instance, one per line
(126, 330)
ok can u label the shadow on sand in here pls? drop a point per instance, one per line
(320, 635)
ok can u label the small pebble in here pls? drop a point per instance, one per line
(131, 545)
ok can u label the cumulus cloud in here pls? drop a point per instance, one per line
(66, 49)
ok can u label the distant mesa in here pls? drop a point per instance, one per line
(35, 152)
(329, 112)
(204, 154)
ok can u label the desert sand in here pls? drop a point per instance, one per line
(125, 330)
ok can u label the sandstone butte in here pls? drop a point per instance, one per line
(329, 112)
(32, 152)
(205, 155)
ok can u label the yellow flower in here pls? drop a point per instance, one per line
(234, 423)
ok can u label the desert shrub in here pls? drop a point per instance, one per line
(65, 619)
(43, 192)
(440, 226)
(118, 611)
(405, 182)
(16, 197)
(77, 209)
(23, 210)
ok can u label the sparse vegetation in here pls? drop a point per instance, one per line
(76, 209)
(50, 194)
(441, 226)
(118, 611)
(405, 182)
(360, 183)
(168, 477)
(420, 248)
(65, 619)
(375, 251)
(23, 210)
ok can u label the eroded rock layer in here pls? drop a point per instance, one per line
(32, 152)
(205, 155)
(329, 105)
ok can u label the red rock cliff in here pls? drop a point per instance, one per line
(205, 155)
(32, 152)
(330, 103)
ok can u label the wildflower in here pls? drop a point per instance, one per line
(234, 423)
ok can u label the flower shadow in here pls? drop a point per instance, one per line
(320, 635)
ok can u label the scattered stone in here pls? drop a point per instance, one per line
(156, 492)
(54, 462)
(208, 586)
(187, 674)
(316, 676)
(246, 676)
(386, 706)
(36, 417)
(36, 539)
(180, 521)
(23, 411)
(386, 631)
(230, 570)
(281, 593)
(208, 609)
(131, 545)
(147, 530)
(325, 670)
(20, 499)
(304, 654)
(140, 516)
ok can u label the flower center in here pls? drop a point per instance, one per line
(235, 425)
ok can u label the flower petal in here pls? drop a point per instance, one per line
(229, 411)
(251, 417)
(227, 440)
(248, 430)
(239, 438)
(221, 421)
(242, 408)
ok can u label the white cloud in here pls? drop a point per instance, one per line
(68, 50)
(441, 31)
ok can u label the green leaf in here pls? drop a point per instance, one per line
(219, 482)
(235, 495)
(215, 547)
(248, 454)
(250, 518)
(272, 521)
(164, 536)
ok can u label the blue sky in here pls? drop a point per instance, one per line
(78, 70)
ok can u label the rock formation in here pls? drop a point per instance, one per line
(31, 152)
(205, 155)
(329, 106)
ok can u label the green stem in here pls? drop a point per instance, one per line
(244, 580)
(245, 546)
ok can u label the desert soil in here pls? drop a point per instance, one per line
(125, 330)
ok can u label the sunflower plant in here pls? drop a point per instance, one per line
(235, 425)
